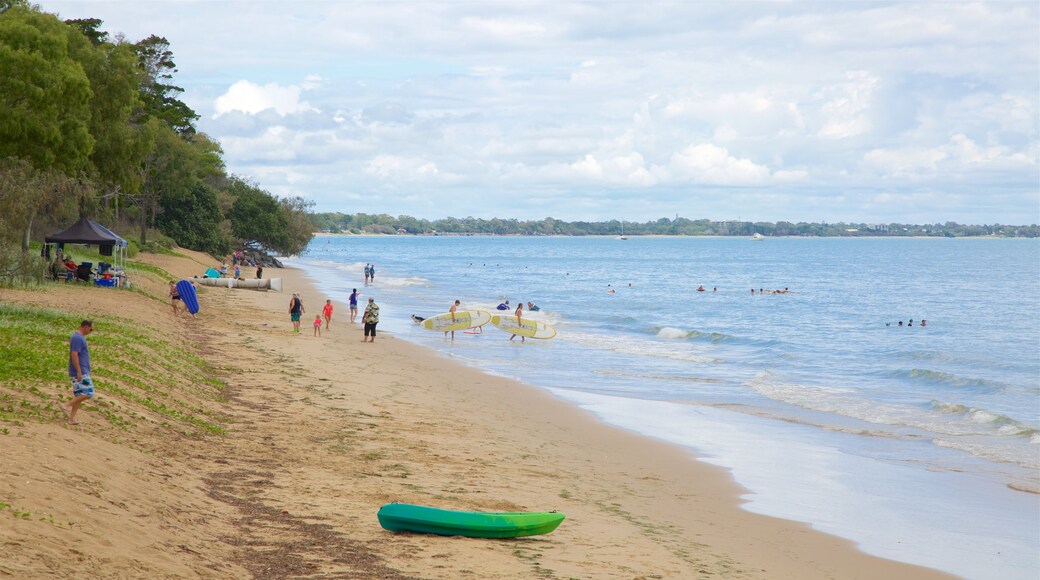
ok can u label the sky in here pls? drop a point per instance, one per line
(798, 111)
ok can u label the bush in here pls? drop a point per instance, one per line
(18, 268)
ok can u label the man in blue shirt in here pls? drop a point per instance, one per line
(79, 371)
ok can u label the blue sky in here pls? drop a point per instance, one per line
(874, 112)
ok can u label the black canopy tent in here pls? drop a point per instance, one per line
(89, 232)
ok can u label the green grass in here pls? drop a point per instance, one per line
(136, 373)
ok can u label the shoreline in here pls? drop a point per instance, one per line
(685, 465)
(655, 236)
(865, 486)
(319, 432)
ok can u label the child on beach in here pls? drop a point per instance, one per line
(317, 325)
(327, 313)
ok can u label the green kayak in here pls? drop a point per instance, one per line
(402, 517)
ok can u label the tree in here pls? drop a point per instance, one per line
(44, 107)
(192, 218)
(158, 94)
(44, 93)
(300, 228)
(119, 144)
(169, 173)
(256, 217)
(26, 192)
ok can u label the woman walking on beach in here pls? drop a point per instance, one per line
(371, 319)
(353, 305)
(519, 313)
(296, 311)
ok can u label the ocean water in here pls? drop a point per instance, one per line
(919, 443)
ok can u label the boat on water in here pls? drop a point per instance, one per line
(403, 517)
(757, 237)
(622, 236)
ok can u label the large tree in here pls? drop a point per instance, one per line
(158, 93)
(257, 218)
(120, 145)
(44, 102)
(44, 93)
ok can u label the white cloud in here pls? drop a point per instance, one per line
(401, 168)
(252, 98)
(574, 103)
(960, 154)
(707, 163)
(846, 113)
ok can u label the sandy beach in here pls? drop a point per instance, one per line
(277, 468)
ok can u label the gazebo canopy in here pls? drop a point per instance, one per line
(87, 232)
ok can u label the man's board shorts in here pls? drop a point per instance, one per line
(83, 387)
(295, 316)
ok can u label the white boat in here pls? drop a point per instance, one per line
(757, 237)
(622, 236)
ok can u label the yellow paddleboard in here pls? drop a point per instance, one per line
(526, 327)
(464, 319)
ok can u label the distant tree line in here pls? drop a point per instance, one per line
(385, 224)
(93, 125)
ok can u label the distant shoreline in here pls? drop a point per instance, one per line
(645, 236)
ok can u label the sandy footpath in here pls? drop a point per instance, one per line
(322, 431)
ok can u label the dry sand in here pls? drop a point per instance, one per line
(322, 431)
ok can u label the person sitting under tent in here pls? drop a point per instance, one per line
(70, 269)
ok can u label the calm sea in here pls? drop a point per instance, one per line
(916, 442)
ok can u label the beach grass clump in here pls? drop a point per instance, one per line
(140, 378)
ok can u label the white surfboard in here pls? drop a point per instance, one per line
(464, 320)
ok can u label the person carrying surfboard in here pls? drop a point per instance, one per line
(519, 313)
(452, 310)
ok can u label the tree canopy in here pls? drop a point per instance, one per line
(93, 124)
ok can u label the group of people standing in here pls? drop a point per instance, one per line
(370, 273)
(370, 318)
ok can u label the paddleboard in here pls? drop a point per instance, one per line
(188, 297)
(526, 327)
(464, 320)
